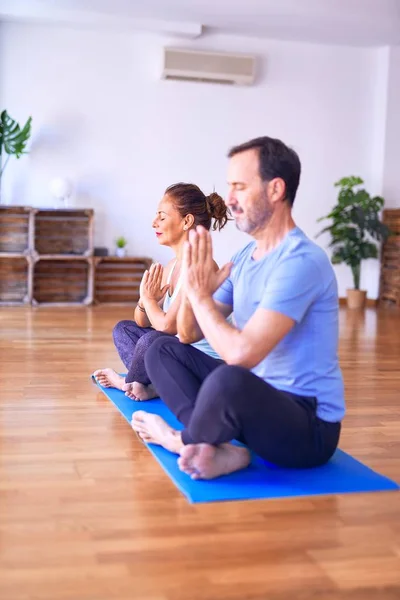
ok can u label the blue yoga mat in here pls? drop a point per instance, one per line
(343, 474)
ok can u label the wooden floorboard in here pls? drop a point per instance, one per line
(86, 513)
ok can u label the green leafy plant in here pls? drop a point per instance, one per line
(121, 242)
(13, 139)
(355, 226)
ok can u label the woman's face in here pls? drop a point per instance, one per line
(168, 224)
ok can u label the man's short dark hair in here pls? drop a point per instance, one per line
(276, 160)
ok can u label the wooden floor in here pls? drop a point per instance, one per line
(86, 513)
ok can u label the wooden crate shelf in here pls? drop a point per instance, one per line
(117, 280)
(63, 232)
(15, 229)
(63, 281)
(391, 218)
(389, 291)
(15, 280)
(46, 258)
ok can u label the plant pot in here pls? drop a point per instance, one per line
(120, 252)
(356, 299)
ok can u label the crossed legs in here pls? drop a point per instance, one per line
(217, 404)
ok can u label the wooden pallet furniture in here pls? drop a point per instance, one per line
(389, 289)
(15, 280)
(62, 253)
(15, 230)
(117, 280)
(15, 259)
(63, 232)
(47, 258)
(61, 281)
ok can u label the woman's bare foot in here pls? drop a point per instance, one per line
(203, 461)
(152, 429)
(138, 391)
(109, 378)
(127, 388)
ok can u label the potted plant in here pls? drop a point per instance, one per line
(13, 140)
(355, 230)
(120, 244)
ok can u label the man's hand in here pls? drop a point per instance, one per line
(200, 280)
(150, 286)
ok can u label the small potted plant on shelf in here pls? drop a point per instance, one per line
(355, 231)
(120, 246)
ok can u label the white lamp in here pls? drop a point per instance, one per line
(61, 189)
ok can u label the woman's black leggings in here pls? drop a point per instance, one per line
(218, 403)
(132, 342)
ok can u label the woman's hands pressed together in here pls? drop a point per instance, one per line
(150, 286)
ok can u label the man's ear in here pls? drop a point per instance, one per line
(277, 190)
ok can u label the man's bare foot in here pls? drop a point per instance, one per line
(203, 461)
(109, 378)
(138, 391)
(152, 429)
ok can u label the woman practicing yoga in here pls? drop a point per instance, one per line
(182, 208)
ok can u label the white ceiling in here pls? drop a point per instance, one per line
(350, 22)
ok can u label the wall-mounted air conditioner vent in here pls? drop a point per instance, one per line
(214, 67)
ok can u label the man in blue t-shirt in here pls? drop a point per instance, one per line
(278, 387)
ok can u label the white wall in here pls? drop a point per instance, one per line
(102, 116)
(375, 124)
(391, 179)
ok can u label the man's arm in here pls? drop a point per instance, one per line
(188, 327)
(247, 347)
(291, 289)
(189, 330)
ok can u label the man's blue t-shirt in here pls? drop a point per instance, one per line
(297, 280)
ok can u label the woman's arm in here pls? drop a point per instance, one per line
(165, 322)
(153, 289)
(140, 316)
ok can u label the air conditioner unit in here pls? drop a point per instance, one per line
(213, 67)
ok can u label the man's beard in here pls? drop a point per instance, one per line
(257, 217)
